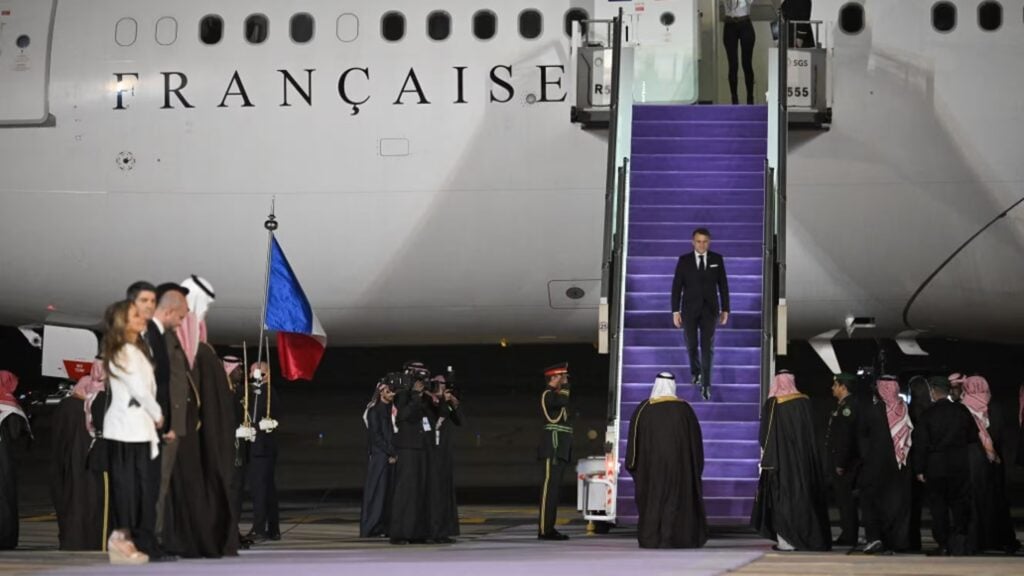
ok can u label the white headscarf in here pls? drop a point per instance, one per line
(193, 328)
(664, 386)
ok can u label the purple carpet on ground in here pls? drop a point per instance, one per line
(698, 166)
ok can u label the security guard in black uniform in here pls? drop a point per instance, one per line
(555, 448)
(844, 461)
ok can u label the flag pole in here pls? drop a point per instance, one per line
(270, 224)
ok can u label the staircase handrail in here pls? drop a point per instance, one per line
(773, 288)
(612, 266)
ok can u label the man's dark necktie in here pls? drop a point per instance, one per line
(700, 266)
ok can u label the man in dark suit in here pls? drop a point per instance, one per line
(941, 438)
(701, 286)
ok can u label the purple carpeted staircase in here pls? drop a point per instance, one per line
(696, 166)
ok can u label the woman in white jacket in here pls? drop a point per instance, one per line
(130, 429)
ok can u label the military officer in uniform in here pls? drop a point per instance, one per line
(555, 449)
(844, 461)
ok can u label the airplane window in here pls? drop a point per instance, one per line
(575, 15)
(256, 28)
(211, 29)
(166, 31)
(302, 28)
(348, 27)
(990, 16)
(485, 24)
(392, 26)
(531, 24)
(126, 31)
(944, 16)
(851, 18)
(439, 25)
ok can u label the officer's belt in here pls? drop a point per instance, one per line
(558, 428)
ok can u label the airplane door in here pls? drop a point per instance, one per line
(25, 30)
(708, 13)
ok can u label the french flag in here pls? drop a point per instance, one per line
(301, 339)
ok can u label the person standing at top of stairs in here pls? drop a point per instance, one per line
(701, 287)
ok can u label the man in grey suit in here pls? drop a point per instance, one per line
(170, 310)
(700, 301)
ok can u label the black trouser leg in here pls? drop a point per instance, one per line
(847, 504)
(936, 488)
(691, 324)
(958, 497)
(553, 468)
(747, 39)
(870, 516)
(708, 322)
(731, 37)
(273, 510)
(259, 489)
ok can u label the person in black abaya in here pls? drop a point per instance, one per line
(13, 426)
(991, 527)
(443, 509)
(665, 456)
(790, 506)
(409, 510)
(76, 491)
(217, 443)
(376, 510)
(884, 438)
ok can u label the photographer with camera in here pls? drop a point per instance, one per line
(409, 502)
(443, 509)
(555, 448)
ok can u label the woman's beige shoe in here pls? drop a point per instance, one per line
(122, 550)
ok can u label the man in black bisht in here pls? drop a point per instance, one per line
(77, 491)
(555, 448)
(217, 437)
(844, 460)
(409, 504)
(443, 509)
(665, 456)
(941, 439)
(884, 438)
(13, 427)
(375, 514)
(790, 506)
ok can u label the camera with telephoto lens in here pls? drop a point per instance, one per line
(415, 371)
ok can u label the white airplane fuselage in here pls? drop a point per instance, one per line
(437, 192)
